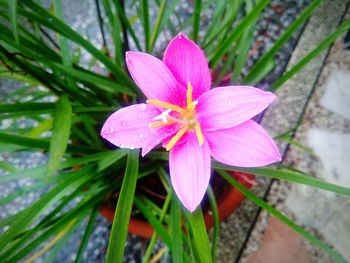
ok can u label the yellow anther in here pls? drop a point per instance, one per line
(176, 138)
(189, 94)
(192, 106)
(160, 124)
(167, 105)
(199, 133)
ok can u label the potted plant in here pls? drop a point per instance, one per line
(42, 51)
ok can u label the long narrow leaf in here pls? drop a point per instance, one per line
(44, 202)
(216, 227)
(236, 33)
(41, 144)
(27, 106)
(87, 234)
(314, 53)
(159, 228)
(13, 14)
(176, 230)
(146, 24)
(52, 22)
(273, 211)
(196, 19)
(289, 176)
(60, 133)
(200, 235)
(282, 40)
(123, 210)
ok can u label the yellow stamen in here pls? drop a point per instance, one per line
(176, 138)
(199, 133)
(160, 124)
(192, 106)
(167, 105)
(189, 94)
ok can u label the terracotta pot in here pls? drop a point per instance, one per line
(229, 200)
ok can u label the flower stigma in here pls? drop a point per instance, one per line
(183, 116)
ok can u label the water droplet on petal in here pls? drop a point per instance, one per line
(180, 37)
(229, 102)
(111, 130)
(140, 135)
(123, 123)
(143, 107)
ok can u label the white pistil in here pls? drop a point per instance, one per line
(163, 116)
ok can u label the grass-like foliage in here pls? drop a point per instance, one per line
(42, 52)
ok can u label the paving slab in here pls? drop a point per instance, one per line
(325, 129)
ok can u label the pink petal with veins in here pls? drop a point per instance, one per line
(225, 107)
(245, 145)
(154, 78)
(128, 127)
(190, 171)
(188, 63)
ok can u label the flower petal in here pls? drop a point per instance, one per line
(190, 171)
(154, 78)
(128, 127)
(225, 107)
(187, 62)
(245, 145)
(161, 134)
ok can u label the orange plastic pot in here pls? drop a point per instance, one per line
(227, 203)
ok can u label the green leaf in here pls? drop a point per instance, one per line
(30, 214)
(200, 235)
(42, 127)
(289, 176)
(115, 31)
(244, 45)
(220, 6)
(42, 16)
(344, 27)
(124, 20)
(220, 32)
(159, 228)
(176, 230)
(41, 144)
(13, 14)
(146, 23)
(196, 19)
(268, 56)
(88, 230)
(123, 210)
(154, 237)
(60, 133)
(26, 106)
(67, 233)
(22, 191)
(7, 167)
(252, 197)
(216, 227)
(103, 83)
(165, 10)
(225, 45)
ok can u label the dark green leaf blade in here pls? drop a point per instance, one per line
(200, 235)
(252, 197)
(123, 210)
(60, 133)
(289, 176)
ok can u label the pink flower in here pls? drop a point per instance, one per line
(192, 121)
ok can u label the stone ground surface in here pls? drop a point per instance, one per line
(325, 129)
(280, 118)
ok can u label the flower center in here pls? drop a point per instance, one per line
(185, 117)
